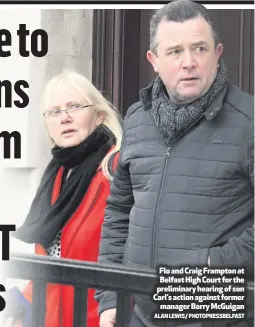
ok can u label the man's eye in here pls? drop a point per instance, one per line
(200, 49)
(175, 52)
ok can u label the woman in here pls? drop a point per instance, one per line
(68, 209)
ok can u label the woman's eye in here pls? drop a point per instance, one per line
(55, 112)
(75, 106)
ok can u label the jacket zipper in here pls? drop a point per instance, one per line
(155, 222)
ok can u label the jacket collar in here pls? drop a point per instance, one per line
(210, 113)
(213, 110)
(145, 95)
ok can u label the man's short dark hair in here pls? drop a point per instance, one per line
(180, 11)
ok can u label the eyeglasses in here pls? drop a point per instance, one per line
(71, 109)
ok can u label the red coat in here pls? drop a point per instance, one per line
(80, 241)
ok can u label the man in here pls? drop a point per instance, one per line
(183, 191)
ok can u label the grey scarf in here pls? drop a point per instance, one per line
(172, 119)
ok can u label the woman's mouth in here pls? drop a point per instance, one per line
(68, 132)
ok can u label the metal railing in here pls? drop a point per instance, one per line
(81, 275)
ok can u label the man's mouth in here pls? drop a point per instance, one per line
(189, 79)
(68, 131)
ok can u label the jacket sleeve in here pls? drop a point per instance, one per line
(114, 231)
(239, 250)
(17, 307)
(27, 292)
(18, 304)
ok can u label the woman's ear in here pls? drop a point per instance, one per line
(100, 118)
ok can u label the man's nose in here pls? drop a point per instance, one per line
(188, 60)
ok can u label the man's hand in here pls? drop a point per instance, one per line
(108, 318)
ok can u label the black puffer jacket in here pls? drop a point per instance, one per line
(177, 206)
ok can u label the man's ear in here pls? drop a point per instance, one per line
(219, 50)
(152, 58)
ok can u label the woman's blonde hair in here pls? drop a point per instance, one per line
(92, 95)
